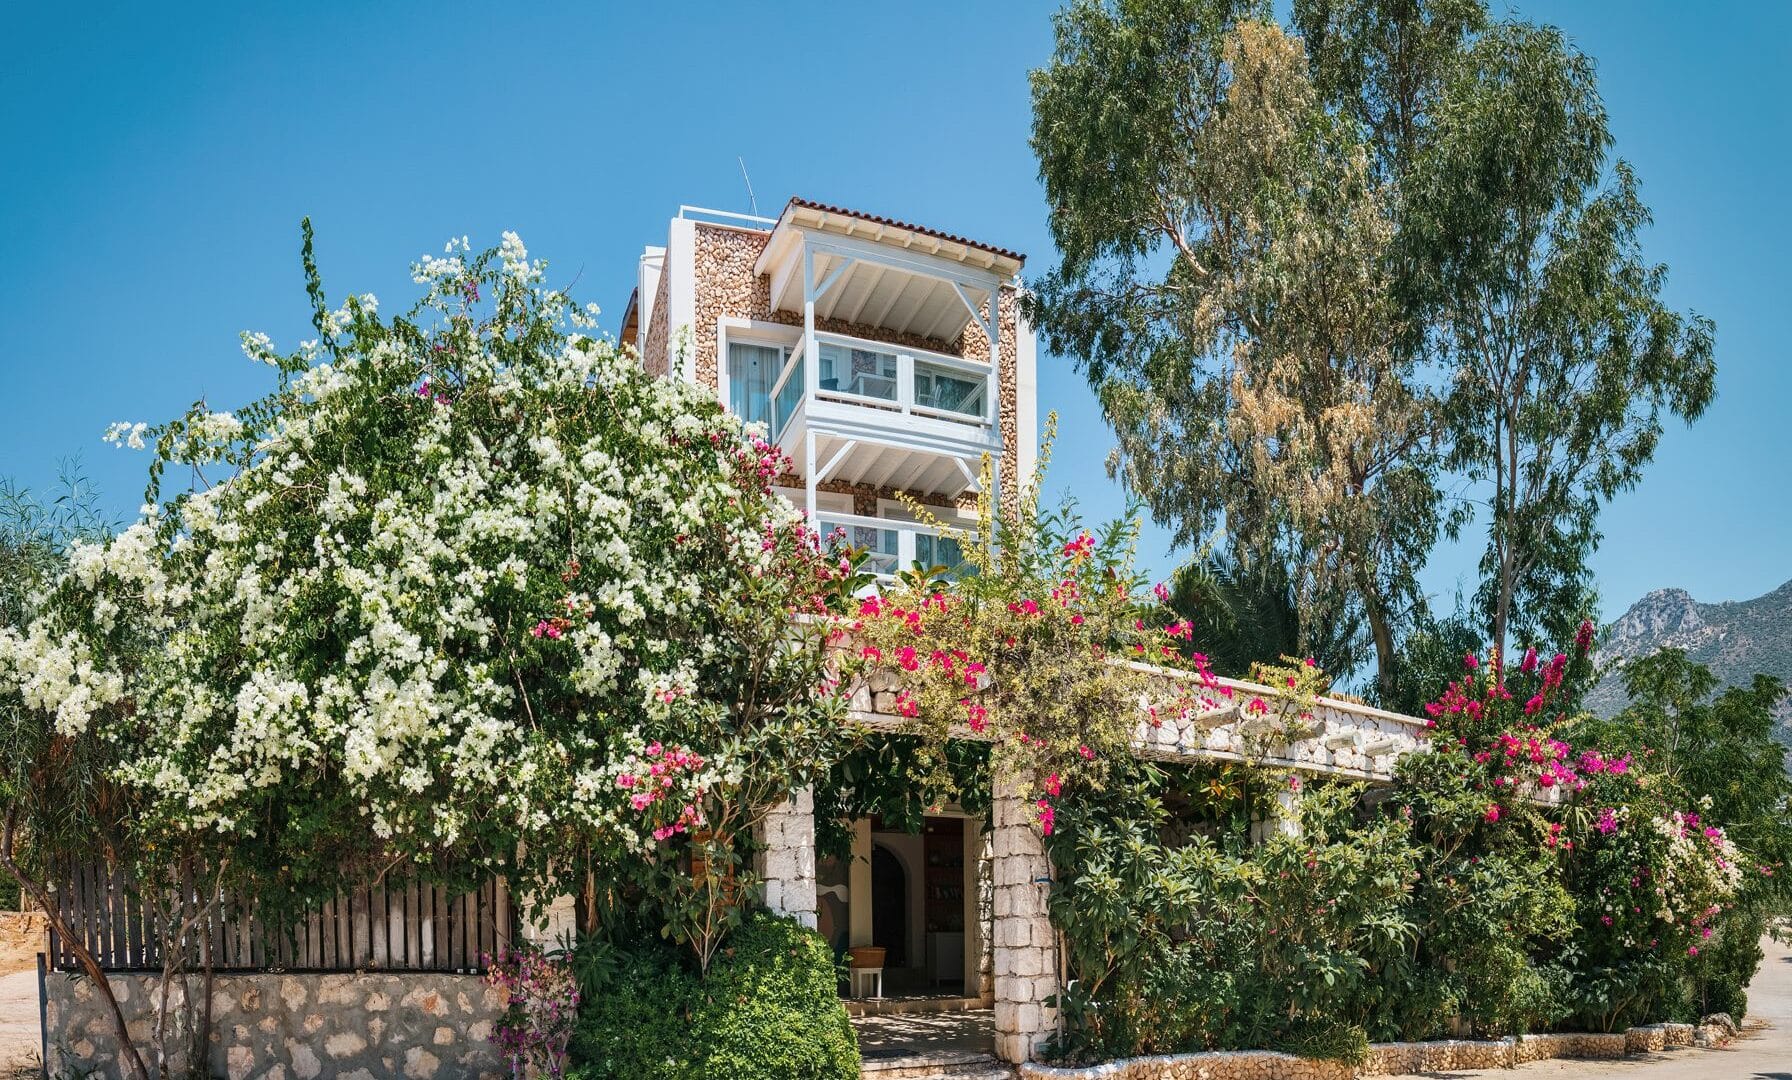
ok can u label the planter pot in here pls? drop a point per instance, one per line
(866, 956)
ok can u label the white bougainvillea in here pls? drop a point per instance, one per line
(442, 590)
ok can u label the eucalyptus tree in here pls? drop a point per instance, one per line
(1227, 287)
(1521, 236)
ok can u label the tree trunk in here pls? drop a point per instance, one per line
(1382, 630)
(133, 1061)
(1502, 610)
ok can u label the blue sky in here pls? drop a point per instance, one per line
(159, 157)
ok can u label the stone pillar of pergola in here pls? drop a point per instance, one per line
(786, 860)
(1284, 820)
(1024, 945)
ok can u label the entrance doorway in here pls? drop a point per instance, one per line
(889, 907)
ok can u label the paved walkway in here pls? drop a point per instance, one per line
(1762, 1052)
(19, 1038)
(971, 1031)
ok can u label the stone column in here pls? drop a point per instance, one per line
(556, 925)
(1285, 821)
(1024, 946)
(858, 885)
(786, 862)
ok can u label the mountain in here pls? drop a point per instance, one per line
(1736, 639)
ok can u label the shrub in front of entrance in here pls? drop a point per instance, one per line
(768, 1009)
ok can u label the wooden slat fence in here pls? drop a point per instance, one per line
(394, 926)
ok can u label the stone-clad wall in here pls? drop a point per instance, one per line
(297, 1027)
(656, 349)
(786, 865)
(1385, 1059)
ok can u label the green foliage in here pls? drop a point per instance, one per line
(1307, 275)
(1195, 939)
(877, 779)
(1227, 288)
(1460, 894)
(1027, 652)
(1523, 239)
(57, 792)
(768, 1009)
(448, 595)
(1431, 653)
(1243, 616)
(1715, 750)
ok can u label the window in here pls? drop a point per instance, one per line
(864, 372)
(948, 389)
(752, 372)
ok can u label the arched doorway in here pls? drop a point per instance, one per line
(889, 906)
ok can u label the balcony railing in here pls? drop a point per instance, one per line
(901, 381)
(894, 546)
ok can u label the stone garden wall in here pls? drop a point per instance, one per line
(297, 1027)
(1385, 1059)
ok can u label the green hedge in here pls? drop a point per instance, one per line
(769, 1009)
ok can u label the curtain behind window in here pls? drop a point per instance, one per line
(752, 371)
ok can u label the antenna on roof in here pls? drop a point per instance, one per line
(751, 201)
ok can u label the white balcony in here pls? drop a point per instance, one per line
(886, 416)
(855, 409)
(894, 546)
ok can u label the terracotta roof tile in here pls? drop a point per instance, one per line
(828, 208)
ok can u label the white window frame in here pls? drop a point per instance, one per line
(771, 335)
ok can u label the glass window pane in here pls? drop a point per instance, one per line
(948, 389)
(792, 393)
(752, 371)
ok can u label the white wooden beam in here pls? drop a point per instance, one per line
(834, 462)
(811, 347)
(781, 281)
(834, 276)
(883, 313)
(893, 462)
(809, 479)
(977, 317)
(877, 276)
(970, 478)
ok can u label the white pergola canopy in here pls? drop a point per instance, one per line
(878, 273)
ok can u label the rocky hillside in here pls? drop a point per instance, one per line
(1736, 640)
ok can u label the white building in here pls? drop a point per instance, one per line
(865, 346)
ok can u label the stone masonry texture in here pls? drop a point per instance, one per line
(1024, 948)
(1385, 1059)
(786, 862)
(415, 1026)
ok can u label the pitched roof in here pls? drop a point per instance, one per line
(827, 208)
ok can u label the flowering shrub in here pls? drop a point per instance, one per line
(541, 1011)
(1642, 882)
(1535, 870)
(1210, 942)
(467, 577)
(1049, 647)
